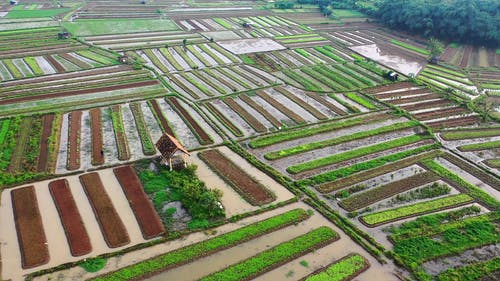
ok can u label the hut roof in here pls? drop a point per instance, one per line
(169, 145)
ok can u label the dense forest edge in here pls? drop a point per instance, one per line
(474, 22)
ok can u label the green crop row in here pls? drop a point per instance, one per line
(274, 257)
(480, 146)
(377, 162)
(329, 54)
(471, 189)
(4, 129)
(430, 72)
(215, 85)
(343, 269)
(198, 55)
(471, 134)
(303, 40)
(156, 62)
(13, 69)
(308, 85)
(10, 141)
(453, 239)
(447, 70)
(350, 108)
(197, 84)
(297, 134)
(330, 73)
(296, 36)
(32, 63)
(353, 74)
(324, 80)
(362, 101)
(415, 209)
(223, 52)
(247, 60)
(201, 249)
(303, 52)
(471, 272)
(410, 47)
(181, 51)
(337, 158)
(494, 163)
(96, 57)
(205, 49)
(372, 67)
(231, 76)
(223, 23)
(168, 56)
(317, 145)
(147, 144)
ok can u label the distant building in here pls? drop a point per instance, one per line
(64, 35)
(172, 152)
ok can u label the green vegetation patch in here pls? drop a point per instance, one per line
(337, 158)
(471, 134)
(116, 26)
(93, 264)
(297, 134)
(20, 12)
(273, 257)
(317, 145)
(362, 101)
(480, 146)
(347, 13)
(471, 272)
(415, 209)
(410, 47)
(343, 269)
(223, 23)
(198, 250)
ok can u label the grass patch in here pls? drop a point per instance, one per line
(471, 134)
(223, 23)
(201, 249)
(362, 101)
(410, 47)
(480, 146)
(415, 209)
(20, 12)
(273, 257)
(317, 145)
(337, 158)
(117, 26)
(93, 264)
(247, 60)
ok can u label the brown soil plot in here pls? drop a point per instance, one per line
(249, 188)
(75, 123)
(74, 228)
(48, 122)
(149, 221)
(198, 130)
(29, 227)
(97, 142)
(111, 225)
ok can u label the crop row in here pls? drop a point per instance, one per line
(281, 107)
(480, 146)
(248, 187)
(146, 142)
(346, 268)
(340, 157)
(301, 133)
(367, 165)
(330, 142)
(274, 257)
(210, 246)
(379, 193)
(247, 116)
(202, 136)
(224, 120)
(470, 134)
(121, 137)
(378, 218)
(471, 272)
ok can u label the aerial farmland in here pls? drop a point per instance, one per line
(249, 140)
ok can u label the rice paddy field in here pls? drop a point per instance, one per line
(291, 154)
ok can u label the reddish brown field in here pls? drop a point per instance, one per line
(435, 114)
(75, 123)
(78, 239)
(111, 225)
(97, 142)
(55, 64)
(389, 87)
(249, 188)
(192, 123)
(149, 221)
(415, 99)
(48, 121)
(163, 121)
(402, 93)
(456, 122)
(465, 58)
(29, 227)
(79, 92)
(428, 104)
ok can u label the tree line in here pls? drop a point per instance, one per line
(467, 21)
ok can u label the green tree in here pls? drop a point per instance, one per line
(436, 49)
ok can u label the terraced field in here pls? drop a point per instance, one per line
(305, 161)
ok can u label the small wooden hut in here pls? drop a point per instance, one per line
(172, 151)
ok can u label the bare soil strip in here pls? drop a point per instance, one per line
(456, 122)
(249, 188)
(276, 123)
(48, 122)
(111, 225)
(149, 221)
(55, 63)
(75, 123)
(285, 110)
(29, 227)
(309, 108)
(74, 228)
(249, 118)
(198, 130)
(326, 103)
(97, 141)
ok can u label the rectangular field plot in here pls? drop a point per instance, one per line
(213, 82)
(246, 46)
(443, 78)
(168, 60)
(134, 41)
(432, 109)
(67, 229)
(79, 89)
